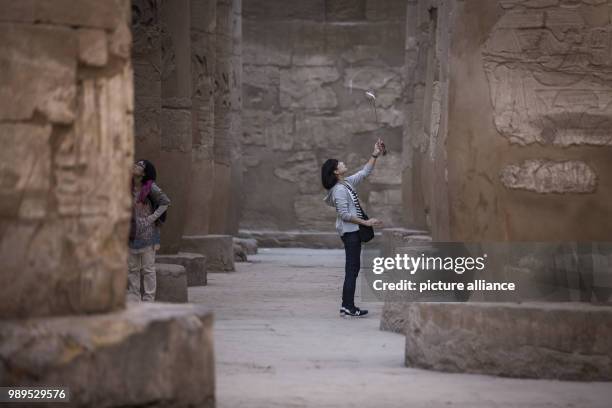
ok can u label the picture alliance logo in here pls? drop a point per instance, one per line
(413, 264)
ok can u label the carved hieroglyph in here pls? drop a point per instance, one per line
(545, 176)
(550, 73)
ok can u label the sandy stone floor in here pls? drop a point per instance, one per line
(280, 343)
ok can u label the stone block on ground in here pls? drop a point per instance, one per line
(218, 249)
(240, 254)
(393, 317)
(149, 354)
(566, 341)
(194, 264)
(171, 283)
(394, 238)
(248, 244)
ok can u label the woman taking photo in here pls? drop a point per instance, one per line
(350, 216)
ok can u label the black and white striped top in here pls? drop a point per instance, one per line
(355, 197)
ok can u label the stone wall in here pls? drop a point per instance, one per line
(67, 150)
(511, 120)
(306, 66)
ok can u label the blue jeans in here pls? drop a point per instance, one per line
(352, 249)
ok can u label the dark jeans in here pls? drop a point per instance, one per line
(352, 249)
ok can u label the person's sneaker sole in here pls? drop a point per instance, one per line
(348, 316)
(346, 313)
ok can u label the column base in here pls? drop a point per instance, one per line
(194, 264)
(146, 355)
(218, 250)
(171, 283)
(568, 341)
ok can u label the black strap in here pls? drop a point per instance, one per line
(360, 212)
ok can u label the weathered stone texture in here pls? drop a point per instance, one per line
(146, 58)
(303, 93)
(194, 264)
(176, 121)
(240, 254)
(505, 98)
(545, 176)
(26, 164)
(249, 245)
(171, 283)
(85, 13)
(173, 344)
(49, 85)
(394, 316)
(66, 127)
(93, 49)
(218, 249)
(282, 9)
(345, 10)
(305, 88)
(267, 129)
(310, 215)
(566, 341)
(540, 96)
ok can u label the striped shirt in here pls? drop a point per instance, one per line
(355, 197)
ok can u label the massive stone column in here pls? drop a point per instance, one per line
(174, 165)
(509, 120)
(147, 62)
(216, 174)
(66, 131)
(203, 54)
(67, 147)
(509, 105)
(225, 80)
(236, 175)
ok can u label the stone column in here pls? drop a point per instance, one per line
(66, 130)
(215, 181)
(222, 113)
(67, 149)
(505, 148)
(146, 58)
(203, 24)
(236, 192)
(174, 166)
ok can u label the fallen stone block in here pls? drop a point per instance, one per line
(240, 254)
(150, 354)
(171, 283)
(218, 249)
(194, 264)
(566, 341)
(393, 317)
(249, 245)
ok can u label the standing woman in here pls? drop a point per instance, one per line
(148, 212)
(349, 216)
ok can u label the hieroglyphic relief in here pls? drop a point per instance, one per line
(550, 73)
(547, 176)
